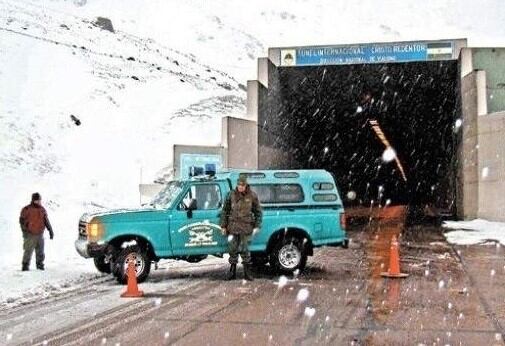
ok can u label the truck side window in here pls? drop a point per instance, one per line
(279, 193)
(208, 197)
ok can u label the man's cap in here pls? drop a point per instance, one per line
(242, 179)
(36, 196)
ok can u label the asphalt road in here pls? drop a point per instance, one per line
(454, 295)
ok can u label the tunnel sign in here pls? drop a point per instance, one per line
(367, 53)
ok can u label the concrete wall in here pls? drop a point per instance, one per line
(492, 166)
(240, 138)
(468, 178)
(482, 159)
(492, 60)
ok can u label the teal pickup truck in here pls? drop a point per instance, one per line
(302, 210)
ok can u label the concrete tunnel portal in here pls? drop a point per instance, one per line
(342, 118)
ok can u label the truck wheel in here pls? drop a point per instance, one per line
(142, 264)
(102, 265)
(288, 255)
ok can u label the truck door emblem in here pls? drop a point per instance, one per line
(200, 233)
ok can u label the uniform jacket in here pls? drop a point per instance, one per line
(241, 212)
(34, 220)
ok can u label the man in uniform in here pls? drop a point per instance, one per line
(34, 221)
(241, 217)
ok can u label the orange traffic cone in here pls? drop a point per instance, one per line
(394, 262)
(132, 290)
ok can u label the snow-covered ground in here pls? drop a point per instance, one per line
(168, 74)
(475, 232)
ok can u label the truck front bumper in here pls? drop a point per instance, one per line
(87, 249)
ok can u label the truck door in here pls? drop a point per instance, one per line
(197, 230)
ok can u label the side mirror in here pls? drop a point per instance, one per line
(192, 206)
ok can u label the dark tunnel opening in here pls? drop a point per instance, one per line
(331, 117)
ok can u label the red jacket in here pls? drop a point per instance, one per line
(34, 220)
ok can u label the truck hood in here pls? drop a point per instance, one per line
(122, 215)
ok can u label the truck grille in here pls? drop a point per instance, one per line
(82, 230)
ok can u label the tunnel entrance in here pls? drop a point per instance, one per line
(386, 131)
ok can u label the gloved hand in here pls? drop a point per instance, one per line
(51, 235)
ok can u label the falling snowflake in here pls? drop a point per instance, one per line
(389, 154)
(310, 312)
(282, 281)
(230, 237)
(485, 172)
(351, 195)
(302, 295)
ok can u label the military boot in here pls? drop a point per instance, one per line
(247, 272)
(25, 267)
(233, 272)
(40, 266)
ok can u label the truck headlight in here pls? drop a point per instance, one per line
(95, 231)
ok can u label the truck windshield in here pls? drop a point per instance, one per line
(166, 197)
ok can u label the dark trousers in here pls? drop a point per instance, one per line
(239, 245)
(33, 242)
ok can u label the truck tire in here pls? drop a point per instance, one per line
(288, 255)
(102, 265)
(142, 264)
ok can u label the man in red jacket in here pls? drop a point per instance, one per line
(34, 221)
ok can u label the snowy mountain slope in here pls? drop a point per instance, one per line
(167, 75)
(126, 91)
